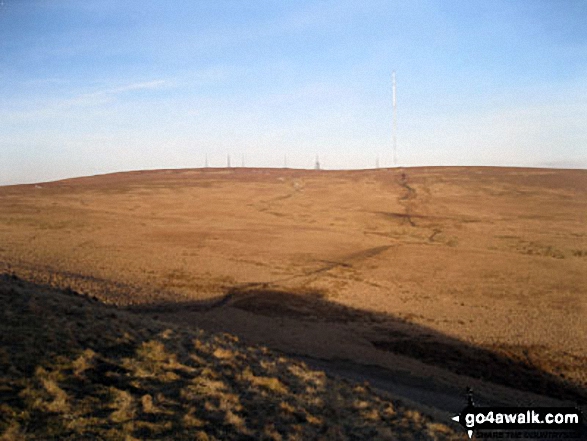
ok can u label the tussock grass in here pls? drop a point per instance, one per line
(75, 369)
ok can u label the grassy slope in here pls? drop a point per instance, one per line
(72, 368)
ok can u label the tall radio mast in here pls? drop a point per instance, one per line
(394, 128)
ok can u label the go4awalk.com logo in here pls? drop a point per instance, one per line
(520, 422)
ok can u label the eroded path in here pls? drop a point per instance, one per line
(436, 272)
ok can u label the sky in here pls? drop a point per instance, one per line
(97, 86)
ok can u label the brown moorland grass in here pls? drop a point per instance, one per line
(486, 263)
(72, 368)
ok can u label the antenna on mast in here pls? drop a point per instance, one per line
(394, 128)
(317, 164)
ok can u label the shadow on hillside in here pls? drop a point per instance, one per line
(520, 368)
(74, 368)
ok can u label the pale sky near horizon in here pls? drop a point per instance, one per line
(96, 86)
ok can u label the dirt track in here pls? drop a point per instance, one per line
(441, 271)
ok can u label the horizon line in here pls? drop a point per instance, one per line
(309, 169)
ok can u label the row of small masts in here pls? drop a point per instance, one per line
(317, 165)
(228, 163)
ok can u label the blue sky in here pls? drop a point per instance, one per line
(95, 86)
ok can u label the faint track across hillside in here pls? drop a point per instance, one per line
(407, 198)
(408, 201)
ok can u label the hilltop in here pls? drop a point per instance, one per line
(431, 279)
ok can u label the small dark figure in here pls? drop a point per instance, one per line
(470, 402)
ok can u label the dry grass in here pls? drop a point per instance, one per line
(143, 379)
(478, 271)
(494, 257)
